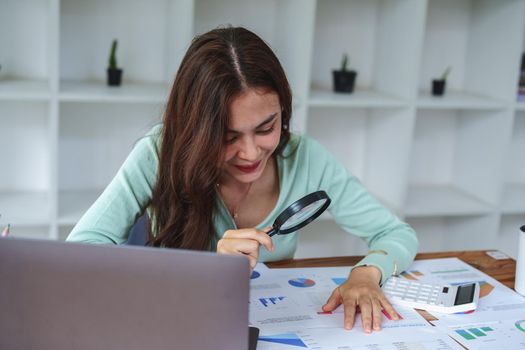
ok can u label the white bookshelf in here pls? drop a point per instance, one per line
(451, 166)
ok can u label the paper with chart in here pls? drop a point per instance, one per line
(486, 335)
(494, 296)
(418, 338)
(286, 297)
(500, 315)
(286, 305)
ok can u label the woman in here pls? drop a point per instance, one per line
(224, 164)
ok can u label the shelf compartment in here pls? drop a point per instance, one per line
(459, 100)
(456, 232)
(447, 150)
(24, 90)
(149, 44)
(26, 160)
(358, 99)
(471, 44)
(359, 138)
(78, 91)
(442, 200)
(95, 139)
(25, 39)
(513, 199)
(381, 38)
(25, 208)
(73, 204)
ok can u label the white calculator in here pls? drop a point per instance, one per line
(432, 297)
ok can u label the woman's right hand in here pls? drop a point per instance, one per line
(245, 242)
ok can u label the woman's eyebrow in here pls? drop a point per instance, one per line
(263, 123)
(267, 120)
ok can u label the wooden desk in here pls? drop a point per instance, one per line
(501, 270)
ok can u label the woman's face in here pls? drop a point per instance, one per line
(253, 134)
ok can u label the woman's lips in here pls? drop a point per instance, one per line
(248, 168)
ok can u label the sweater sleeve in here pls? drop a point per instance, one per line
(392, 243)
(110, 218)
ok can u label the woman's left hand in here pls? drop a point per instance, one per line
(362, 290)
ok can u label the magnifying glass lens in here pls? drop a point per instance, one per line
(303, 214)
(300, 213)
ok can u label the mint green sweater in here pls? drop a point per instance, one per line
(305, 167)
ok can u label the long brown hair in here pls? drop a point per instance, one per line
(217, 67)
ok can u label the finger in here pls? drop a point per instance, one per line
(389, 309)
(366, 314)
(251, 233)
(350, 306)
(243, 246)
(376, 315)
(333, 301)
(253, 261)
(266, 230)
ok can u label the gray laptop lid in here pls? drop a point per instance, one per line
(56, 295)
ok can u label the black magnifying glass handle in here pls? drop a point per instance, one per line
(272, 232)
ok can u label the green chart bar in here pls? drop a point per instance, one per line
(465, 334)
(477, 332)
(487, 329)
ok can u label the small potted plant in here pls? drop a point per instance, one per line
(344, 79)
(438, 85)
(114, 73)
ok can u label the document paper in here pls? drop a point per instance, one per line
(286, 305)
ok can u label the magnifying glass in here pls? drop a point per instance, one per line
(300, 213)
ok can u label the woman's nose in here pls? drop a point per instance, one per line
(249, 149)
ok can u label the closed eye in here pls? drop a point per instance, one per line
(232, 139)
(266, 131)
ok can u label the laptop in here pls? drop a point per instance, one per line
(57, 295)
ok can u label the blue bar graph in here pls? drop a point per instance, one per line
(270, 301)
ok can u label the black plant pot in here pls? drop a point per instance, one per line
(114, 76)
(438, 87)
(344, 80)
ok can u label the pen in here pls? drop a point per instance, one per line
(5, 232)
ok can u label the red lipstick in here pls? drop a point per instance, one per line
(249, 168)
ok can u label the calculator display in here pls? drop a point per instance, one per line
(465, 294)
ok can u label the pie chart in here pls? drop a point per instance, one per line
(302, 282)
